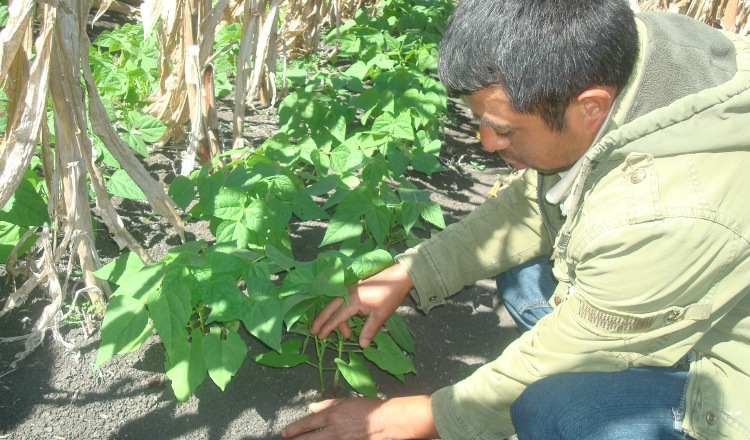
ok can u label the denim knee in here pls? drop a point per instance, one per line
(526, 289)
(636, 403)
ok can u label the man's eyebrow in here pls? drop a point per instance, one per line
(481, 120)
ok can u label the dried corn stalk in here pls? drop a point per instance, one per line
(60, 51)
(185, 91)
(186, 31)
(731, 15)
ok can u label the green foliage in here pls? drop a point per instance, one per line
(3, 14)
(25, 211)
(347, 136)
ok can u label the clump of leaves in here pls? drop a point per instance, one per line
(347, 137)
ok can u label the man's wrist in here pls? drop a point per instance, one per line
(409, 418)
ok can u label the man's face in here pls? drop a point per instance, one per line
(524, 140)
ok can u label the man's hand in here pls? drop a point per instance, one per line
(366, 419)
(376, 297)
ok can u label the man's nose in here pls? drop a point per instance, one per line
(491, 141)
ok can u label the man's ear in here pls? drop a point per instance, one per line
(595, 103)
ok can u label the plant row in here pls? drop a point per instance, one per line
(348, 134)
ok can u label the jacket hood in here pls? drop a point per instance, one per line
(690, 93)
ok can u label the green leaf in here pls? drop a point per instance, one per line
(228, 204)
(122, 267)
(402, 127)
(323, 186)
(414, 195)
(426, 163)
(141, 283)
(198, 281)
(388, 356)
(357, 70)
(295, 76)
(367, 101)
(289, 356)
(357, 375)
(298, 279)
(432, 213)
(25, 207)
(378, 222)
(226, 301)
(400, 333)
(136, 343)
(344, 225)
(382, 61)
(336, 126)
(124, 322)
(305, 208)
(295, 306)
(225, 261)
(258, 279)
(427, 59)
(399, 127)
(409, 213)
(263, 319)
(186, 368)
(283, 187)
(182, 191)
(233, 231)
(150, 128)
(120, 184)
(135, 141)
(330, 278)
(209, 187)
(398, 162)
(279, 216)
(345, 159)
(279, 257)
(223, 356)
(10, 235)
(371, 263)
(170, 310)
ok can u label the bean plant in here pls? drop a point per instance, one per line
(347, 137)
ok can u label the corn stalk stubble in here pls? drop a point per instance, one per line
(731, 15)
(61, 52)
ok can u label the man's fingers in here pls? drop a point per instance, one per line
(323, 317)
(324, 404)
(310, 423)
(306, 424)
(345, 330)
(339, 318)
(369, 329)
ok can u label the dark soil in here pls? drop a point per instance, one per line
(55, 394)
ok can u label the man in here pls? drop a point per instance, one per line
(636, 132)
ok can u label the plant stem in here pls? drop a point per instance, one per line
(340, 352)
(320, 349)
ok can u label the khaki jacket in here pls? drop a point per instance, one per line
(653, 257)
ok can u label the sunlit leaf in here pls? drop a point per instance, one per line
(357, 375)
(187, 367)
(289, 356)
(388, 355)
(124, 322)
(120, 184)
(223, 355)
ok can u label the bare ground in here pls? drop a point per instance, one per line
(55, 394)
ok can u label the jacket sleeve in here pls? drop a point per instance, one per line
(480, 246)
(630, 303)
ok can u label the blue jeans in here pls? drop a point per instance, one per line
(638, 403)
(525, 291)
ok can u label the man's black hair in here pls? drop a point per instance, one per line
(542, 53)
